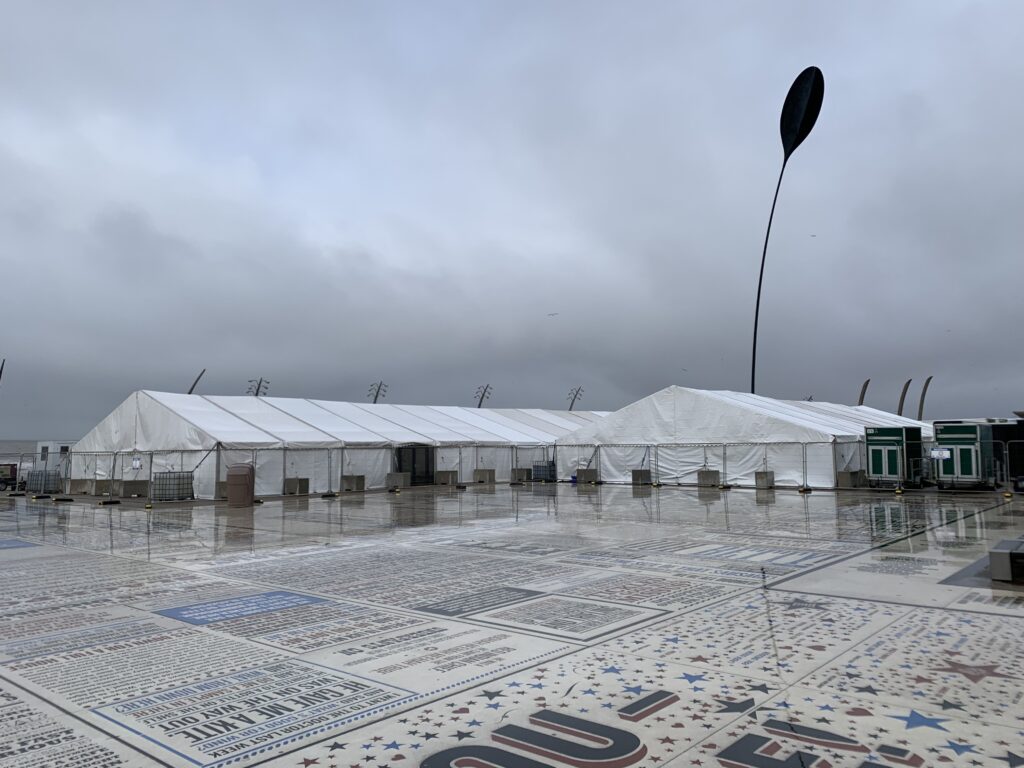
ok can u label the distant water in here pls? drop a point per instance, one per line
(15, 447)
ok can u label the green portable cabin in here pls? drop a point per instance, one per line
(964, 456)
(894, 456)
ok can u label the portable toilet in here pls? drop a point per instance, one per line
(963, 453)
(894, 456)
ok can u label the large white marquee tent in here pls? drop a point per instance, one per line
(318, 440)
(677, 431)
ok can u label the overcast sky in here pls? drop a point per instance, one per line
(534, 195)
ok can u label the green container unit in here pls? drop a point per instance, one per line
(894, 456)
(969, 461)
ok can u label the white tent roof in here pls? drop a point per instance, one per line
(162, 421)
(683, 415)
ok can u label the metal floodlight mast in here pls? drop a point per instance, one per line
(482, 393)
(575, 394)
(258, 387)
(799, 113)
(377, 390)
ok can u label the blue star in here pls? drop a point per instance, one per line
(612, 671)
(608, 705)
(415, 746)
(637, 689)
(960, 749)
(916, 720)
(367, 746)
(515, 684)
(493, 705)
(827, 708)
(474, 722)
(392, 745)
(536, 685)
(590, 692)
(674, 640)
(784, 704)
(690, 678)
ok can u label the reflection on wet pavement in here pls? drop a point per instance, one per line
(514, 626)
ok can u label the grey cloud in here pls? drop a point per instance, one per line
(326, 193)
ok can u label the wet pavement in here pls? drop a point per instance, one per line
(527, 626)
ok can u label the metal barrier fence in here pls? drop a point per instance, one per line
(319, 470)
(34, 472)
(793, 464)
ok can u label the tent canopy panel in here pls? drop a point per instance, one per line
(264, 416)
(326, 421)
(213, 422)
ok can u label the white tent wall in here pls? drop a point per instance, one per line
(617, 462)
(569, 458)
(820, 465)
(786, 460)
(372, 463)
(449, 459)
(269, 472)
(313, 464)
(679, 464)
(497, 458)
(134, 467)
(741, 462)
(204, 478)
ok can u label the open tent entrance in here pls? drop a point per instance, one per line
(418, 461)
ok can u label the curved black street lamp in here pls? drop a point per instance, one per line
(799, 113)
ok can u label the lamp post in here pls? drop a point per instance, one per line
(799, 113)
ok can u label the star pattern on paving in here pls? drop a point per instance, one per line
(698, 702)
(973, 672)
(916, 720)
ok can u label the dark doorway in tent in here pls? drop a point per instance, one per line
(418, 461)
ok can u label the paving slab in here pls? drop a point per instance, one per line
(528, 626)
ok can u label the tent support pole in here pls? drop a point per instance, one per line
(217, 468)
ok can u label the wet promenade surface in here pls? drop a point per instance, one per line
(513, 627)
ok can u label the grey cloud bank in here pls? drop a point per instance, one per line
(325, 194)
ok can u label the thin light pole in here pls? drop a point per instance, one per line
(194, 383)
(799, 113)
(903, 396)
(924, 393)
(863, 392)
